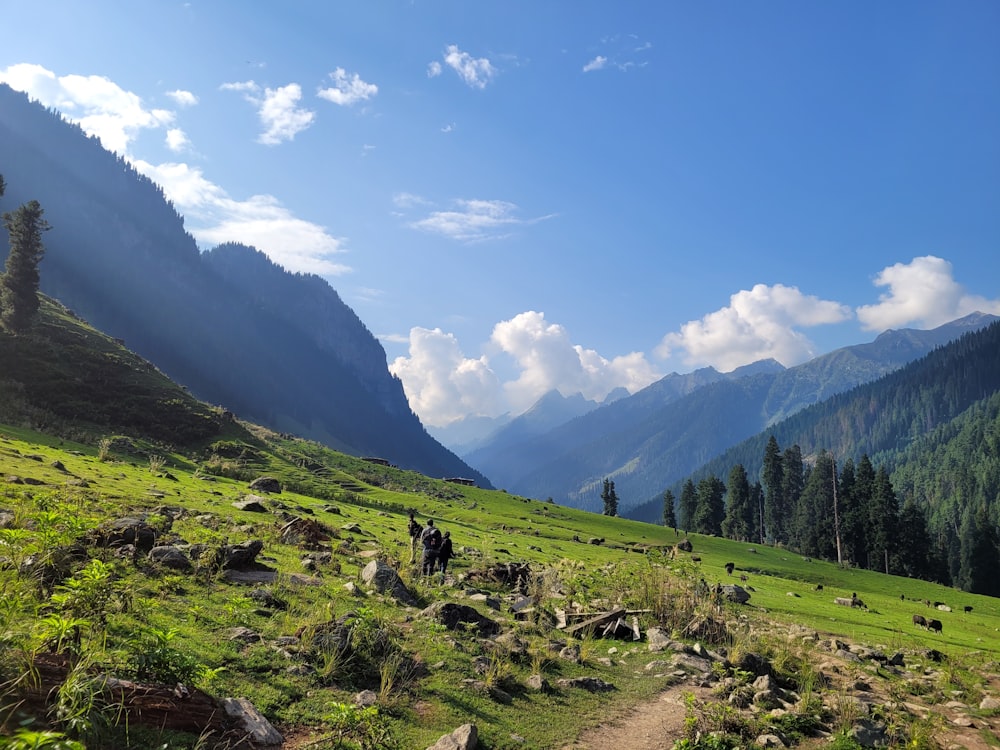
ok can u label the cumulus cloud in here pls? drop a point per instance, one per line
(441, 383)
(475, 71)
(183, 98)
(922, 292)
(759, 323)
(214, 217)
(547, 360)
(347, 90)
(98, 105)
(277, 110)
(474, 220)
(177, 140)
(433, 69)
(444, 385)
(596, 64)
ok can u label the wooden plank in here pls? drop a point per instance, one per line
(595, 622)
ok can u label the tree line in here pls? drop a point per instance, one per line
(19, 282)
(849, 513)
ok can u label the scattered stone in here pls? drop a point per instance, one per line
(466, 737)
(170, 557)
(590, 684)
(266, 484)
(386, 580)
(538, 683)
(365, 698)
(769, 741)
(989, 703)
(453, 615)
(258, 729)
(570, 653)
(243, 634)
(251, 504)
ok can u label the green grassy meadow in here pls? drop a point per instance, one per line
(78, 486)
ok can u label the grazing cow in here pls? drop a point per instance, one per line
(695, 558)
(920, 621)
(819, 587)
(967, 608)
(729, 567)
(743, 578)
(934, 626)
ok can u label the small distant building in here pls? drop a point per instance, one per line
(461, 480)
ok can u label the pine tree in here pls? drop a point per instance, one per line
(710, 509)
(669, 515)
(738, 521)
(688, 505)
(884, 518)
(773, 480)
(610, 498)
(19, 283)
(792, 482)
(913, 556)
(812, 527)
(980, 556)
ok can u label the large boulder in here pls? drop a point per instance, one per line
(266, 484)
(384, 579)
(453, 616)
(466, 737)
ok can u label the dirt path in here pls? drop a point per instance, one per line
(654, 725)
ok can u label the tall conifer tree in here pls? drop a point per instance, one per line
(19, 283)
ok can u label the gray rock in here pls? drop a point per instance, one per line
(258, 729)
(170, 557)
(769, 741)
(590, 684)
(384, 579)
(453, 616)
(466, 737)
(266, 484)
(365, 698)
(659, 639)
(251, 504)
(989, 703)
(734, 593)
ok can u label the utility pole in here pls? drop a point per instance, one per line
(836, 515)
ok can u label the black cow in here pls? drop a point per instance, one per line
(730, 567)
(934, 626)
(967, 608)
(920, 621)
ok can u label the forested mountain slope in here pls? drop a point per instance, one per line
(295, 359)
(663, 433)
(883, 420)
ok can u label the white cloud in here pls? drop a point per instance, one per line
(475, 71)
(183, 98)
(433, 69)
(277, 110)
(921, 292)
(474, 220)
(347, 89)
(213, 217)
(116, 116)
(409, 200)
(177, 140)
(98, 105)
(760, 323)
(441, 384)
(548, 360)
(596, 64)
(444, 385)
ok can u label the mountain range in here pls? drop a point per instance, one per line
(664, 432)
(277, 348)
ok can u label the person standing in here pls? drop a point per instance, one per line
(414, 530)
(445, 553)
(430, 538)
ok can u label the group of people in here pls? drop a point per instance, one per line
(436, 548)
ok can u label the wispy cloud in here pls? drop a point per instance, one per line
(759, 323)
(347, 90)
(277, 110)
(922, 292)
(621, 52)
(433, 69)
(475, 71)
(475, 220)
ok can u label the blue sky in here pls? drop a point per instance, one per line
(520, 196)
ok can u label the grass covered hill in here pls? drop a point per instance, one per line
(152, 583)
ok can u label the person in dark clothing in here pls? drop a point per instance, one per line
(445, 553)
(430, 538)
(414, 529)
